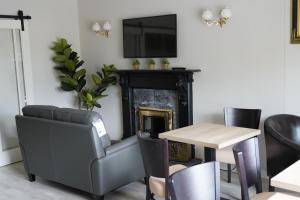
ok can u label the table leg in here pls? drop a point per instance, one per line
(210, 154)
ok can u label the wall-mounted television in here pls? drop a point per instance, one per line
(150, 37)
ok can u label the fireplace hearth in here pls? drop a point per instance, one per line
(156, 101)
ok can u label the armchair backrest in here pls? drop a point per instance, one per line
(282, 133)
(57, 143)
(285, 128)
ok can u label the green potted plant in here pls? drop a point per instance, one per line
(151, 64)
(136, 64)
(165, 64)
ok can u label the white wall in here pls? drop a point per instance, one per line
(248, 63)
(50, 19)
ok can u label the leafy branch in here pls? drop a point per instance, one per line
(73, 76)
(102, 80)
(68, 63)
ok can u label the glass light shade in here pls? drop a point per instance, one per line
(207, 15)
(107, 26)
(226, 13)
(96, 27)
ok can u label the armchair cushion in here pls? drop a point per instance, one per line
(121, 145)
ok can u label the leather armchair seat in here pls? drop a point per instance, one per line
(282, 133)
(64, 145)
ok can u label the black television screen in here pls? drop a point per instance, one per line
(150, 37)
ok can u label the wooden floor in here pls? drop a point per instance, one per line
(14, 185)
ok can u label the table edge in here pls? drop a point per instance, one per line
(211, 145)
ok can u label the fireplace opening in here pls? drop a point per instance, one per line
(156, 121)
(154, 125)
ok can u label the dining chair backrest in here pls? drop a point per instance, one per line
(155, 155)
(200, 182)
(241, 117)
(247, 159)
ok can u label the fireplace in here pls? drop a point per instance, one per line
(156, 101)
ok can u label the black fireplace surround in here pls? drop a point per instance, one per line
(175, 80)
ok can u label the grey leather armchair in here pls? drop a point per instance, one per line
(62, 145)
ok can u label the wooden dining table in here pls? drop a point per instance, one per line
(288, 179)
(210, 136)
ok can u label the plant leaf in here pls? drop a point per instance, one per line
(97, 80)
(79, 74)
(79, 64)
(67, 52)
(57, 48)
(89, 97)
(60, 58)
(81, 84)
(97, 105)
(66, 87)
(70, 64)
(63, 43)
(73, 55)
(69, 80)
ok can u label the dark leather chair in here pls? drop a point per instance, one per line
(282, 135)
(200, 182)
(64, 145)
(247, 159)
(247, 118)
(155, 156)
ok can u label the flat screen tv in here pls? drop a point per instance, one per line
(150, 37)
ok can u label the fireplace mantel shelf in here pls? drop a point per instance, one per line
(177, 71)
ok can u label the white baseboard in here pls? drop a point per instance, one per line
(10, 156)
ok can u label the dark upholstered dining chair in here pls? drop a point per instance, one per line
(282, 133)
(247, 159)
(200, 182)
(155, 156)
(246, 118)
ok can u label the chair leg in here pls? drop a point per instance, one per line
(97, 197)
(229, 173)
(149, 195)
(31, 177)
(271, 188)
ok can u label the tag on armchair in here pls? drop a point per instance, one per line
(99, 125)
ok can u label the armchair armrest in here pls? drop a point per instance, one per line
(119, 146)
(122, 165)
(115, 141)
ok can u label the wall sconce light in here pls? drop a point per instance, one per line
(102, 28)
(225, 14)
